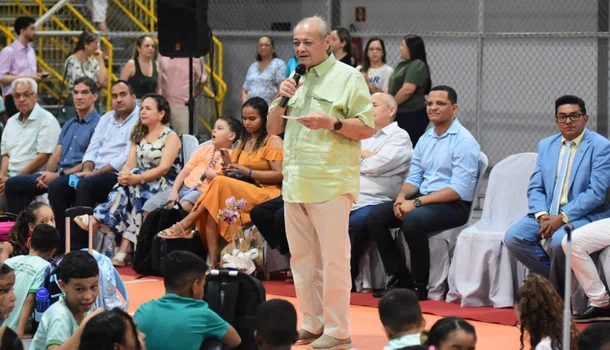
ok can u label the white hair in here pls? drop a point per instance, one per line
(389, 99)
(321, 24)
(30, 81)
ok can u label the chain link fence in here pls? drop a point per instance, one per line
(508, 60)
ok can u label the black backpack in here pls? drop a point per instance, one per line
(155, 222)
(235, 296)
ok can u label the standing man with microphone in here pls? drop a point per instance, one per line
(327, 115)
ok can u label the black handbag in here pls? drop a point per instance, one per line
(239, 176)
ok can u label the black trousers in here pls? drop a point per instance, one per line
(21, 190)
(9, 105)
(89, 192)
(415, 123)
(268, 217)
(416, 226)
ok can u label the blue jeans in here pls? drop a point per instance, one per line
(523, 241)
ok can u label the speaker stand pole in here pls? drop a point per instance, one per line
(191, 102)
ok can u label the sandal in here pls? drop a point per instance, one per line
(172, 233)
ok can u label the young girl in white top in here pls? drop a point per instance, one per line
(539, 310)
(375, 70)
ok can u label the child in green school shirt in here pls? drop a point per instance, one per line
(61, 325)
(29, 274)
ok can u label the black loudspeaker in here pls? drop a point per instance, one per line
(183, 28)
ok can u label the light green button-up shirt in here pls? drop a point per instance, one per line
(320, 165)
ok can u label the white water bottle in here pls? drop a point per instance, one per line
(111, 299)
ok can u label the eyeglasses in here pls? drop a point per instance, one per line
(24, 95)
(562, 118)
(264, 45)
(375, 49)
(438, 103)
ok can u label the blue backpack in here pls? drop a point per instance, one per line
(110, 283)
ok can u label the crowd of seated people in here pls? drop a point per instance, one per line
(126, 164)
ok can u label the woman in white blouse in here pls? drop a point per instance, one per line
(376, 71)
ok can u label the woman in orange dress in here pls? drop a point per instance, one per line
(257, 155)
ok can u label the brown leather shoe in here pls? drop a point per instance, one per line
(326, 342)
(306, 338)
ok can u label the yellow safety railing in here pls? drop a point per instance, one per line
(10, 37)
(53, 51)
(142, 14)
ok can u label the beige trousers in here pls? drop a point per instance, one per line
(180, 120)
(320, 247)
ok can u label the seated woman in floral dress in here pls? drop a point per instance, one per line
(151, 167)
(257, 155)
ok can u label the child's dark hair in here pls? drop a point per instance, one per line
(5, 270)
(595, 337)
(444, 327)
(263, 109)
(45, 238)
(399, 310)
(182, 268)
(541, 314)
(19, 233)
(10, 340)
(276, 322)
(77, 264)
(234, 125)
(106, 329)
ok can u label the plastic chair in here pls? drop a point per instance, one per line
(483, 272)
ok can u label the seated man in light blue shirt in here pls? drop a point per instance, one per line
(436, 195)
(104, 157)
(68, 155)
(29, 137)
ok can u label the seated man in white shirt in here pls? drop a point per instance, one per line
(384, 164)
(29, 137)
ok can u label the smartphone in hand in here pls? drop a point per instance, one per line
(226, 157)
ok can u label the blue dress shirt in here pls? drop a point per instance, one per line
(110, 143)
(74, 139)
(449, 160)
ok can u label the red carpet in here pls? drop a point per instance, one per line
(440, 308)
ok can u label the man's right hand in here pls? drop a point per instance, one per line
(288, 88)
(396, 207)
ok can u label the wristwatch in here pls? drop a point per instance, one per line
(338, 125)
(62, 173)
(417, 202)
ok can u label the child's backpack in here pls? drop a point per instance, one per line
(155, 222)
(7, 221)
(110, 281)
(235, 296)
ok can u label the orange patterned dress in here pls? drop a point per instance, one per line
(222, 187)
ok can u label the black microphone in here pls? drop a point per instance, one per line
(300, 70)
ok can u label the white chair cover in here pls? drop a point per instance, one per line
(483, 273)
(190, 144)
(372, 273)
